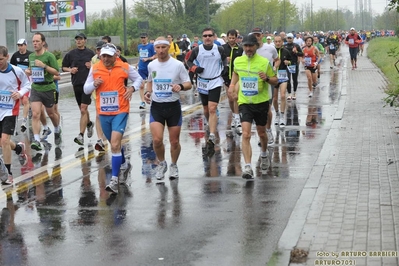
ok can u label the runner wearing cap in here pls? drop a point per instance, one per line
(167, 77)
(268, 51)
(146, 54)
(184, 46)
(14, 84)
(21, 59)
(353, 40)
(113, 105)
(43, 67)
(78, 63)
(254, 73)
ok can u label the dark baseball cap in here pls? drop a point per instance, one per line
(80, 35)
(144, 34)
(99, 44)
(257, 30)
(249, 39)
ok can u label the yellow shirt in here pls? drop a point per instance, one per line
(174, 50)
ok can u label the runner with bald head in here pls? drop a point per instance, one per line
(166, 78)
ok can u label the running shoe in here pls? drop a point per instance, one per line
(22, 158)
(79, 140)
(36, 145)
(113, 185)
(210, 148)
(142, 105)
(100, 146)
(174, 171)
(45, 134)
(248, 173)
(161, 170)
(270, 138)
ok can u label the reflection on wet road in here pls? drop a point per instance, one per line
(58, 212)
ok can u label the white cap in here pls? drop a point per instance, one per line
(352, 28)
(108, 49)
(268, 38)
(21, 41)
(223, 35)
(290, 35)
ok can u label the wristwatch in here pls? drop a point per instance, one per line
(267, 79)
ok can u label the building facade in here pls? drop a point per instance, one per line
(12, 23)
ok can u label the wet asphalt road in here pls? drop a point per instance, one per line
(58, 213)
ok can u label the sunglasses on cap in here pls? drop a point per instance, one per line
(109, 46)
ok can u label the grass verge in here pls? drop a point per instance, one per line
(384, 52)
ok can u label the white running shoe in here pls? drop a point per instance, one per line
(174, 171)
(161, 170)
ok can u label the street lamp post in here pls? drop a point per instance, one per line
(337, 16)
(124, 27)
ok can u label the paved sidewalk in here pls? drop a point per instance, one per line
(350, 202)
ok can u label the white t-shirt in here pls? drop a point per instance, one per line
(9, 84)
(163, 75)
(299, 41)
(268, 51)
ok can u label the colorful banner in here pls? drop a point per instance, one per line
(70, 15)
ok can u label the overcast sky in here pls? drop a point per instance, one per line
(377, 5)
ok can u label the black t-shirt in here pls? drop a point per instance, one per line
(20, 59)
(78, 58)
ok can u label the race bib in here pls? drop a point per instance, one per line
(202, 85)
(143, 53)
(351, 41)
(322, 40)
(292, 69)
(163, 88)
(6, 102)
(308, 61)
(332, 47)
(109, 101)
(282, 76)
(37, 74)
(23, 67)
(249, 86)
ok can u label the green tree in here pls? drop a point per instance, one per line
(175, 16)
(246, 14)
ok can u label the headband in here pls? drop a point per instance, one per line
(161, 42)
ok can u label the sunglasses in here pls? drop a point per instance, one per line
(207, 35)
(109, 46)
(289, 37)
(143, 37)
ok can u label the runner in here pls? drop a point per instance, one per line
(167, 78)
(113, 103)
(332, 44)
(254, 74)
(78, 63)
(232, 51)
(310, 62)
(282, 75)
(21, 59)
(147, 54)
(210, 63)
(353, 40)
(43, 67)
(296, 53)
(14, 84)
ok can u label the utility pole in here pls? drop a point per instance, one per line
(124, 28)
